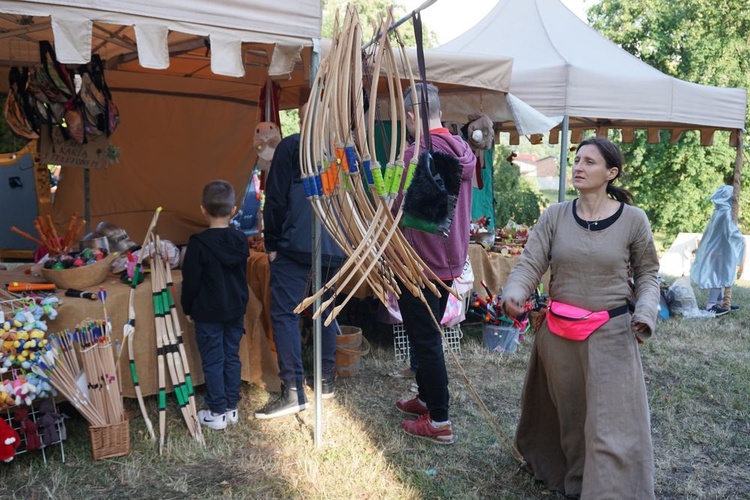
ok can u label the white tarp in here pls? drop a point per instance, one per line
(562, 66)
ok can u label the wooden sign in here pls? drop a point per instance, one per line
(55, 149)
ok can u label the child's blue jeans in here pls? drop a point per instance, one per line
(219, 346)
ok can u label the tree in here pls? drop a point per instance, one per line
(701, 41)
(371, 11)
(515, 197)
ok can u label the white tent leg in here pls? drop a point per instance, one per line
(563, 158)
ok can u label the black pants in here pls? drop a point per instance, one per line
(427, 342)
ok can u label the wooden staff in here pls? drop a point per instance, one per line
(128, 330)
(177, 328)
(174, 360)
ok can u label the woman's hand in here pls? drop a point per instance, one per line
(641, 330)
(512, 308)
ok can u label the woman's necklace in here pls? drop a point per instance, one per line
(590, 223)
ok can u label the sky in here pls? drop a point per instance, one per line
(450, 18)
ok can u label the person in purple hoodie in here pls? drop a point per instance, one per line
(445, 257)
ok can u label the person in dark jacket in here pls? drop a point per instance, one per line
(214, 296)
(445, 257)
(287, 229)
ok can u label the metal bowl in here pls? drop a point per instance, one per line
(487, 240)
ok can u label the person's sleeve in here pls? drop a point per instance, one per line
(645, 263)
(190, 277)
(527, 273)
(278, 186)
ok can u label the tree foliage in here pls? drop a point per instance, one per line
(370, 13)
(701, 41)
(516, 198)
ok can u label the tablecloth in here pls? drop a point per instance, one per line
(494, 268)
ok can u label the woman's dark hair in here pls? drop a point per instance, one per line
(613, 159)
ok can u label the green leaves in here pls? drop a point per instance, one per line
(700, 41)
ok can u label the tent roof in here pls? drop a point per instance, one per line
(562, 66)
(213, 39)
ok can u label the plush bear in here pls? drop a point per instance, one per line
(479, 134)
(9, 441)
(28, 428)
(48, 422)
(267, 137)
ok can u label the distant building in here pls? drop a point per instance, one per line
(545, 171)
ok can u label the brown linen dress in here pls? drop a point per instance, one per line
(585, 426)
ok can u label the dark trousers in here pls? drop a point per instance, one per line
(427, 345)
(290, 283)
(219, 347)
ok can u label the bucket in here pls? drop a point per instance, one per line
(350, 347)
(500, 338)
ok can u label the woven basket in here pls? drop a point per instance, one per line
(79, 277)
(110, 441)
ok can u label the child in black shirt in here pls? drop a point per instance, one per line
(214, 296)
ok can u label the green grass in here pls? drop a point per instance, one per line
(698, 378)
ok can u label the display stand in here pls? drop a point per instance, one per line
(35, 417)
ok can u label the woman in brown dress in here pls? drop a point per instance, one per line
(585, 427)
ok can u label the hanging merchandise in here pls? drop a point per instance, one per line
(77, 104)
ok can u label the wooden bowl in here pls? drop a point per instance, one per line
(79, 277)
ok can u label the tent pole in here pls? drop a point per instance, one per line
(87, 199)
(737, 180)
(317, 283)
(563, 158)
(736, 183)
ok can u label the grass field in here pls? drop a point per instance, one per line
(698, 378)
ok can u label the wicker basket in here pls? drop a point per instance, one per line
(110, 441)
(79, 277)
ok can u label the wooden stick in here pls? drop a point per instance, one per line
(27, 236)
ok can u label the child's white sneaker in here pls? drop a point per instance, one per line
(212, 420)
(232, 416)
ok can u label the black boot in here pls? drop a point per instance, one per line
(289, 402)
(326, 383)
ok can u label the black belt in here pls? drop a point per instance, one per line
(618, 311)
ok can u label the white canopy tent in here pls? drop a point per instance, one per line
(563, 67)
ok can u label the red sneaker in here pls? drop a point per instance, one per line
(412, 406)
(423, 428)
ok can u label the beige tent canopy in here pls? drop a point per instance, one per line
(469, 83)
(186, 76)
(563, 67)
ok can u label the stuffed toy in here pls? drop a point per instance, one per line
(267, 137)
(9, 441)
(28, 428)
(48, 421)
(479, 134)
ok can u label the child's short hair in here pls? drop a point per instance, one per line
(218, 198)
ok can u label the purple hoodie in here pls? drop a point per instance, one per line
(446, 256)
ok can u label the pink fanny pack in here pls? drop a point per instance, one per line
(574, 323)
